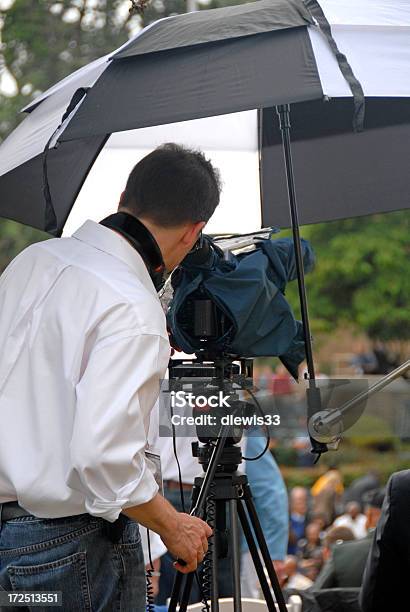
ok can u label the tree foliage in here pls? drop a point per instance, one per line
(361, 277)
(44, 41)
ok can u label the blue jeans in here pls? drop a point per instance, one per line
(74, 555)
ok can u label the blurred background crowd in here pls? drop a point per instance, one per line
(324, 517)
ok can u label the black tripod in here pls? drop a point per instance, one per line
(222, 492)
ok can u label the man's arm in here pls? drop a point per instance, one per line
(114, 397)
(186, 537)
(115, 394)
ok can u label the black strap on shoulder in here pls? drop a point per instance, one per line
(142, 240)
(316, 11)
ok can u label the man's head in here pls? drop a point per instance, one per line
(173, 191)
(353, 509)
(373, 501)
(291, 565)
(298, 500)
(313, 533)
(335, 536)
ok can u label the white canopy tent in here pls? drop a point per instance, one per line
(230, 141)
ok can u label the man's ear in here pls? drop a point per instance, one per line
(192, 232)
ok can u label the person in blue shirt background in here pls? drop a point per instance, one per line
(298, 517)
(271, 501)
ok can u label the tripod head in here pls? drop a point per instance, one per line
(211, 383)
(229, 461)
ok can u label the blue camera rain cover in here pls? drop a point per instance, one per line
(249, 290)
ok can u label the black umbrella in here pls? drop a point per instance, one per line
(252, 56)
(347, 90)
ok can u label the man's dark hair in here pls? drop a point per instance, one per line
(337, 534)
(173, 185)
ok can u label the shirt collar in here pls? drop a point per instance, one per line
(107, 240)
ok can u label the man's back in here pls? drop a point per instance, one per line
(388, 565)
(63, 302)
(85, 345)
(346, 566)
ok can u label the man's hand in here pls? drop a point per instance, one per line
(189, 541)
(280, 570)
(185, 536)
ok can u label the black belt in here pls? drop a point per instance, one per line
(12, 510)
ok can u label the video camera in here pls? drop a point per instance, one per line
(235, 305)
(229, 308)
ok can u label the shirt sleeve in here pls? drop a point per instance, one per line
(114, 398)
(156, 545)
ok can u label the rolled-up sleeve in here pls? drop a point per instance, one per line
(114, 397)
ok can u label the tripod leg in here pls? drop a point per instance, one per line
(179, 578)
(214, 574)
(264, 550)
(176, 591)
(236, 555)
(186, 592)
(255, 558)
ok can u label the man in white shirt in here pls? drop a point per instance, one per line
(84, 346)
(353, 519)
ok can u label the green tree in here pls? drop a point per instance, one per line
(44, 41)
(361, 278)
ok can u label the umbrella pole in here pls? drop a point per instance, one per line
(313, 392)
(283, 112)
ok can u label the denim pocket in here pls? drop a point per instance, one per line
(130, 537)
(41, 535)
(68, 575)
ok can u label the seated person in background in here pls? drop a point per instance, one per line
(360, 486)
(347, 559)
(320, 519)
(298, 498)
(310, 551)
(353, 519)
(327, 492)
(388, 565)
(293, 578)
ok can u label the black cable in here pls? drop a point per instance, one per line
(181, 491)
(207, 563)
(174, 446)
(148, 577)
(257, 404)
(319, 454)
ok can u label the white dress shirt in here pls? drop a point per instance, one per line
(357, 525)
(83, 345)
